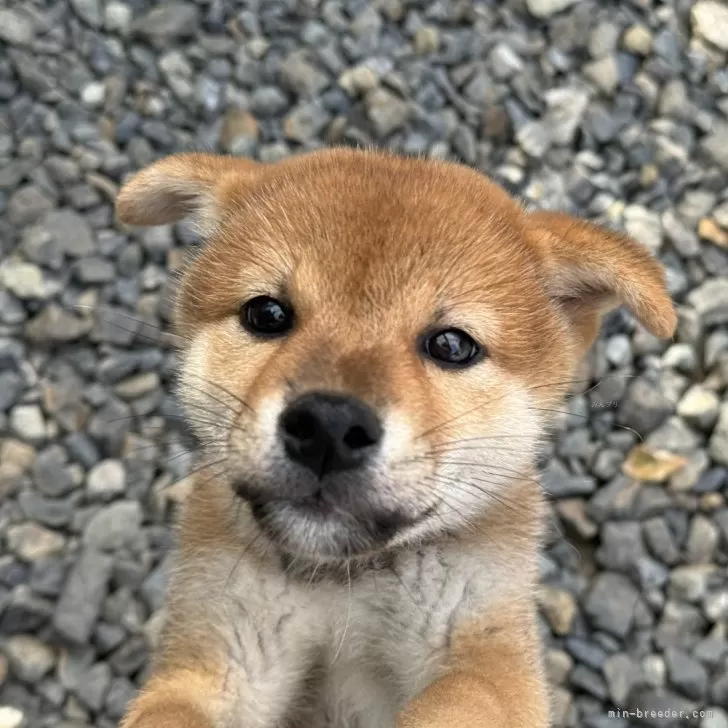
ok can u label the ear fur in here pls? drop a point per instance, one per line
(180, 186)
(591, 270)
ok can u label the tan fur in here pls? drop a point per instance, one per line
(436, 627)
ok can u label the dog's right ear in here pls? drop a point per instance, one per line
(184, 185)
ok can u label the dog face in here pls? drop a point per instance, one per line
(375, 345)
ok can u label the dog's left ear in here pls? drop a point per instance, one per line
(590, 271)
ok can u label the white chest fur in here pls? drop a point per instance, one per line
(337, 654)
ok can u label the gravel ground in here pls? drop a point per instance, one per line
(617, 111)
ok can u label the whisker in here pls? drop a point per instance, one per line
(348, 611)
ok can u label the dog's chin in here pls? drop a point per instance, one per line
(320, 532)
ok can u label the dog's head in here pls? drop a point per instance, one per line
(375, 345)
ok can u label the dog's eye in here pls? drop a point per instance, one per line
(452, 347)
(266, 316)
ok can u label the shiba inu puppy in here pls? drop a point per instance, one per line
(374, 348)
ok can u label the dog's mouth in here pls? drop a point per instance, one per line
(317, 526)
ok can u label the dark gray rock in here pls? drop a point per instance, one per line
(611, 603)
(80, 603)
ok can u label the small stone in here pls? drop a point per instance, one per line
(27, 422)
(547, 8)
(533, 137)
(710, 230)
(114, 526)
(94, 685)
(168, 21)
(50, 475)
(610, 603)
(560, 483)
(558, 666)
(715, 144)
(604, 72)
(621, 675)
(16, 458)
(699, 407)
(386, 111)
(654, 670)
(687, 478)
(29, 658)
(689, 583)
(645, 226)
(94, 270)
(559, 608)
(682, 357)
(702, 540)
(715, 718)
(71, 232)
(651, 465)
(637, 39)
(26, 280)
(718, 446)
(54, 325)
(89, 11)
(11, 387)
(237, 125)
(118, 17)
(24, 612)
(305, 122)
(710, 21)
(107, 479)
(358, 80)
(137, 386)
(621, 545)
(93, 94)
(715, 606)
(572, 512)
(426, 40)
(16, 28)
(27, 205)
(32, 542)
(686, 673)
(79, 606)
(121, 692)
(644, 408)
(301, 77)
(11, 717)
(267, 101)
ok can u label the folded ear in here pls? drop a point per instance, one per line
(184, 185)
(591, 270)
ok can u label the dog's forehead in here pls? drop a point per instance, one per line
(383, 222)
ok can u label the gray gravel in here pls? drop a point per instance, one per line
(617, 111)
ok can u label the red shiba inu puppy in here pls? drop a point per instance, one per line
(374, 347)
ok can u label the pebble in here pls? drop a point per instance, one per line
(107, 479)
(29, 658)
(547, 8)
(16, 28)
(11, 717)
(27, 423)
(80, 604)
(168, 21)
(114, 526)
(610, 604)
(32, 542)
(559, 608)
(386, 111)
(710, 21)
(26, 280)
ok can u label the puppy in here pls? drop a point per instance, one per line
(374, 347)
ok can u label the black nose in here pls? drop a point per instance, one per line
(329, 432)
